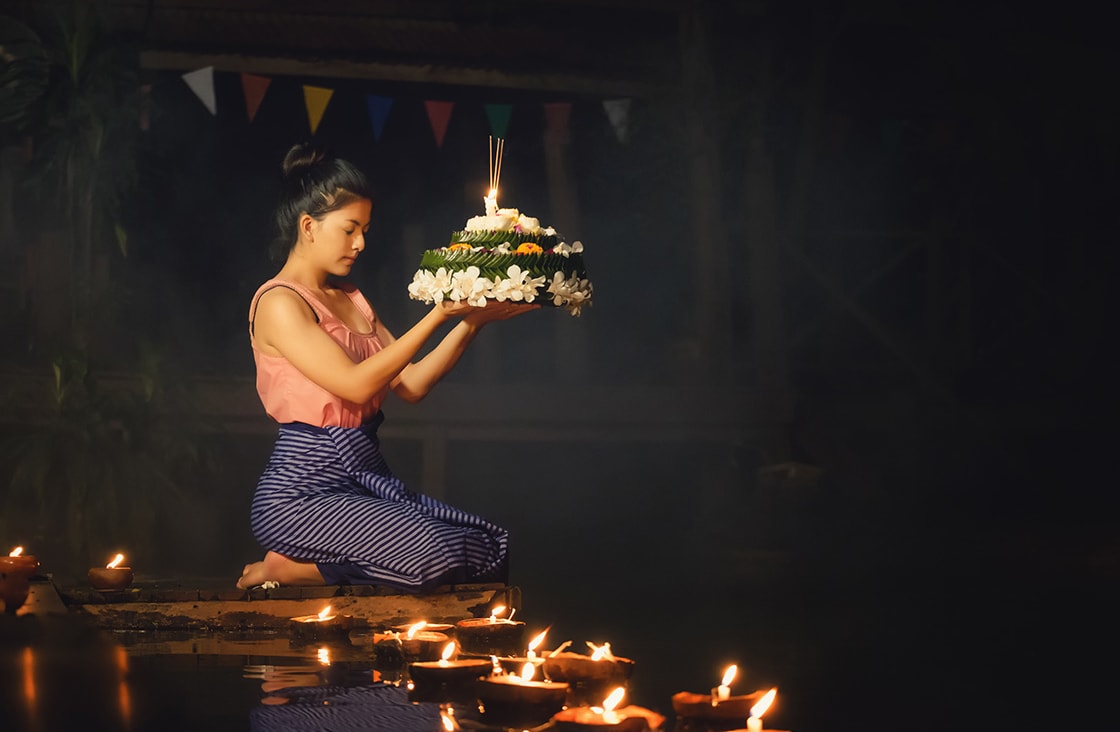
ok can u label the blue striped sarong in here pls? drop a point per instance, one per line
(327, 496)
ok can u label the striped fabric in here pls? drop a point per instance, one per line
(328, 496)
(340, 709)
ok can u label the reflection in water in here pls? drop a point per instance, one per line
(29, 693)
(306, 707)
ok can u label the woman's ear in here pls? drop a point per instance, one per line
(307, 227)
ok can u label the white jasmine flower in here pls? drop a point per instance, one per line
(467, 285)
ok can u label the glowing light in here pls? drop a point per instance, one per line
(116, 562)
(764, 703)
(325, 613)
(495, 612)
(414, 629)
(729, 675)
(614, 698)
(16, 552)
(599, 653)
(324, 656)
(448, 652)
(527, 671)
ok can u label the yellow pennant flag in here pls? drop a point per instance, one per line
(316, 98)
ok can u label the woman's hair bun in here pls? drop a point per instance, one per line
(300, 158)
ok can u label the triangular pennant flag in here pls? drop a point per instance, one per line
(439, 114)
(201, 83)
(254, 87)
(378, 108)
(557, 115)
(316, 98)
(498, 114)
(618, 112)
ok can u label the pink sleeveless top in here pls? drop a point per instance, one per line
(288, 395)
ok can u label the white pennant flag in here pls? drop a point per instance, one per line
(618, 112)
(201, 83)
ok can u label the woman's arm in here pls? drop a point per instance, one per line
(285, 325)
(416, 380)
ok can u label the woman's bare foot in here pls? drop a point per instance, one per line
(278, 568)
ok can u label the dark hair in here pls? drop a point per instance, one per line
(314, 183)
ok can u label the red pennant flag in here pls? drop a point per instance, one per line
(439, 114)
(557, 116)
(254, 88)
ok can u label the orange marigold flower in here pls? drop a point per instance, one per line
(528, 248)
(459, 245)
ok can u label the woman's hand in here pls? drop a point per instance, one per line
(494, 310)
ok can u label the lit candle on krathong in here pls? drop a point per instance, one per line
(15, 574)
(754, 722)
(21, 561)
(531, 653)
(608, 716)
(723, 691)
(321, 624)
(112, 576)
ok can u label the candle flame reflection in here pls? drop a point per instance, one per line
(527, 671)
(116, 562)
(729, 675)
(414, 629)
(324, 656)
(16, 552)
(764, 703)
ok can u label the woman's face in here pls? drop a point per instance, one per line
(340, 236)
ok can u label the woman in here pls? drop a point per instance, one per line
(327, 508)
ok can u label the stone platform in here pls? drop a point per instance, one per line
(205, 605)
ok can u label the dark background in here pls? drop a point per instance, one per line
(945, 552)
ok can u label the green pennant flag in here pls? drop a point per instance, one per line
(498, 114)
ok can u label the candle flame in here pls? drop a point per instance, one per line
(764, 703)
(324, 656)
(448, 651)
(598, 653)
(414, 629)
(537, 639)
(449, 723)
(116, 562)
(527, 672)
(325, 613)
(496, 611)
(16, 552)
(614, 698)
(729, 675)
(492, 193)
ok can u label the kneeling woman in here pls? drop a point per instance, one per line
(327, 509)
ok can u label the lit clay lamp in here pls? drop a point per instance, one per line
(514, 664)
(448, 678)
(418, 643)
(446, 628)
(323, 624)
(112, 576)
(493, 635)
(719, 708)
(15, 575)
(590, 676)
(608, 717)
(517, 700)
(754, 721)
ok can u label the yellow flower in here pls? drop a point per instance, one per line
(528, 248)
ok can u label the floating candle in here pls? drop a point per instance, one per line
(723, 691)
(320, 625)
(448, 670)
(608, 717)
(20, 561)
(518, 699)
(14, 583)
(492, 635)
(754, 722)
(112, 576)
(590, 676)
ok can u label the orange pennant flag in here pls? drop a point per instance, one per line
(439, 114)
(254, 88)
(316, 98)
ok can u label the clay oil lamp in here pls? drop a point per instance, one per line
(15, 583)
(446, 628)
(514, 664)
(517, 700)
(591, 676)
(324, 624)
(111, 577)
(608, 717)
(720, 708)
(20, 561)
(448, 679)
(493, 635)
(415, 644)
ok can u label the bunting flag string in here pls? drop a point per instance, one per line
(316, 99)
(618, 112)
(439, 114)
(201, 82)
(499, 114)
(254, 88)
(378, 108)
